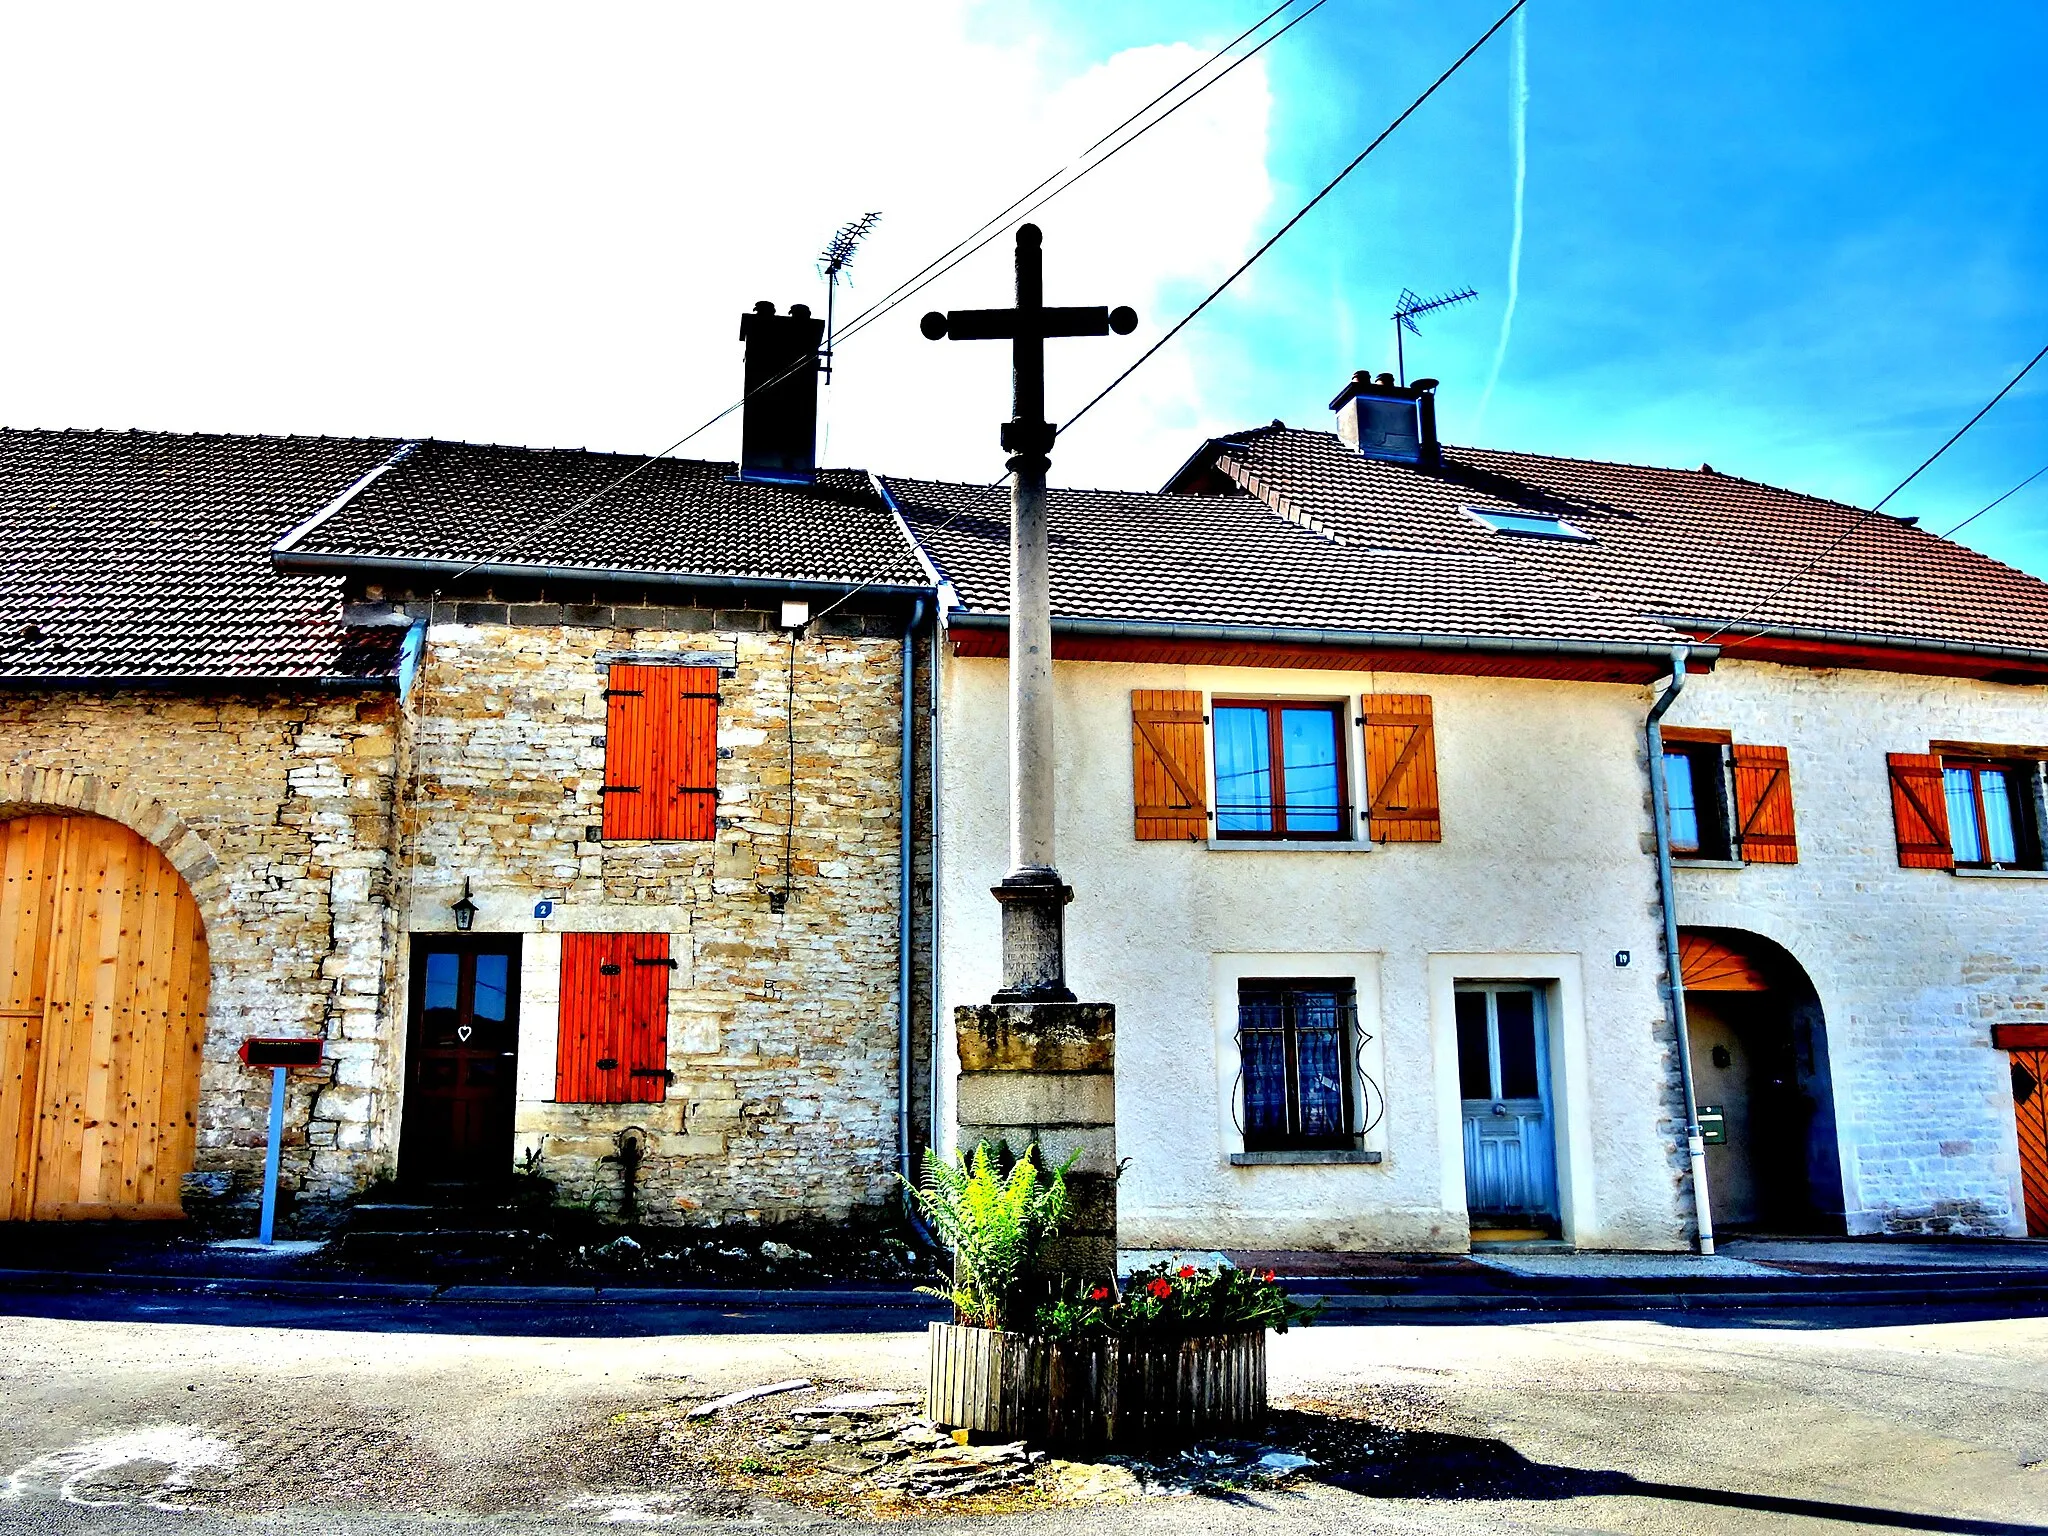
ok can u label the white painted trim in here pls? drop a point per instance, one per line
(540, 1015)
(2000, 874)
(1571, 1084)
(1227, 970)
(1305, 845)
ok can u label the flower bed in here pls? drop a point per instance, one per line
(1175, 1353)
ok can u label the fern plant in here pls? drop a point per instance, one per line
(997, 1226)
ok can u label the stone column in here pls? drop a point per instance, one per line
(1045, 1074)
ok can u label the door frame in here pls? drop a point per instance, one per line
(1561, 980)
(507, 944)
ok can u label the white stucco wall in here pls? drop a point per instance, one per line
(1912, 966)
(1541, 874)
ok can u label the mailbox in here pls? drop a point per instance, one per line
(282, 1051)
(1713, 1125)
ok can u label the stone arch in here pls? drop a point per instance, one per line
(28, 791)
(1760, 1057)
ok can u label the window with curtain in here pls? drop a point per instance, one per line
(1991, 814)
(1280, 770)
(1695, 795)
(1295, 1050)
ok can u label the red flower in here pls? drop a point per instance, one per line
(1161, 1289)
(1187, 1271)
(1269, 1277)
(1100, 1293)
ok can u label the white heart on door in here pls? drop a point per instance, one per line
(463, 1032)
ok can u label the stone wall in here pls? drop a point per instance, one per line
(1912, 966)
(276, 809)
(782, 1023)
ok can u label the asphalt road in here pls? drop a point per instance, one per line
(236, 1421)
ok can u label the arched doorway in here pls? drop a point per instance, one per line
(1762, 1082)
(103, 980)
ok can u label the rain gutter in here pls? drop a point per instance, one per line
(1660, 809)
(1891, 642)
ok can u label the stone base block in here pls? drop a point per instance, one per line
(1036, 1037)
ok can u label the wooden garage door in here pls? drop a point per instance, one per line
(102, 1015)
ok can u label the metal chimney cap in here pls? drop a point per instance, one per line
(764, 307)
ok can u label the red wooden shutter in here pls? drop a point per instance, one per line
(692, 752)
(612, 1038)
(1169, 765)
(1400, 769)
(1764, 828)
(630, 770)
(661, 753)
(1920, 811)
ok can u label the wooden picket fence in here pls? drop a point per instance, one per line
(1099, 1391)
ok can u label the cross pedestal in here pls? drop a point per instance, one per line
(1009, 1094)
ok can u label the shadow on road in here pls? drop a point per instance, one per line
(1366, 1458)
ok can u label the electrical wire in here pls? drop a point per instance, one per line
(1859, 521)
(1959, 527)
(1273, 240)
(925, 276)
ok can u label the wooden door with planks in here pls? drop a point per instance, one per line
(103, 980)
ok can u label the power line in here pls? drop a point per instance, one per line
(938, 268)
(1847, 533)
(1274, 240)
(2037, 474)
(1215, 293)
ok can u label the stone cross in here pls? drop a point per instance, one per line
(1032, 894)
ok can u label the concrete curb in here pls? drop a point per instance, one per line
(344, 1289)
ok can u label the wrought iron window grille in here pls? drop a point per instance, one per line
(1301, 1077)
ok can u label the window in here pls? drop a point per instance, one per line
(1280, 771)
(1991, 822)
(1295, 1043)
(1537, 525)
(1696, 799)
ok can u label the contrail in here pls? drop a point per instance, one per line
(1518, 119)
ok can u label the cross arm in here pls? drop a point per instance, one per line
(1052, 320)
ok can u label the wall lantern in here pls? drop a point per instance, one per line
(465, 909)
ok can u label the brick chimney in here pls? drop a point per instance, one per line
(779, 424)
(1385, 420)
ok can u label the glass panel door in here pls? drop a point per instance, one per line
(1504, 1083)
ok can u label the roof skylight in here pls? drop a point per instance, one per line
(1537, 525)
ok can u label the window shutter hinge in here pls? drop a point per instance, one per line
(661, 1072)
(661, 960)
(618, 789)
(625, 693)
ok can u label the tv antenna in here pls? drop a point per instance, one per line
(833, 260)
(1412, 304)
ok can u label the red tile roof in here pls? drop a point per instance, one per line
(1694, 549)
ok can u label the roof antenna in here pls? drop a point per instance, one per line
(1409, 306)
(833, 260)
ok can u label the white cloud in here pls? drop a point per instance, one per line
(541, 224)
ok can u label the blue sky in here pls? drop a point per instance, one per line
(1801, 242)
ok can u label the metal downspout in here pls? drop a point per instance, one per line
(1703, 1214)
(908, 859)
(932, 1051)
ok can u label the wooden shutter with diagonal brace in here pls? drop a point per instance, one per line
(1920, 810)
(1169, 765)
(1764, 828)
(1400, 769)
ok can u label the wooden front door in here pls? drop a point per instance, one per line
(103, 981)
(1504, 1081)
(461, 1052)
